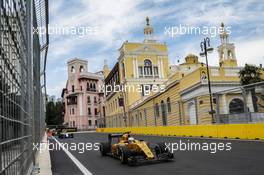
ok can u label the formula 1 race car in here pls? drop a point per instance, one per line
(64, 135)
(132, 151)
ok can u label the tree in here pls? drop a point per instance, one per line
(54, 113)
(251, 74)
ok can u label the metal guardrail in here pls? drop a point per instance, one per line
(22, 95)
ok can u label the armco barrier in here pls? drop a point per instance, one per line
(238, 131)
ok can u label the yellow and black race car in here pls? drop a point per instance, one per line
(132, 151)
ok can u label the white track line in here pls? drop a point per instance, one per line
(84, 170)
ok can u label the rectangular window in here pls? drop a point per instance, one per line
(140, 71)
(95, 122)
(142, 90)
(73, 111)
(90, 122)
(89, 111)
(72, 88)
(88, 100)
(95, 111)
(156, 71)
(148, 71)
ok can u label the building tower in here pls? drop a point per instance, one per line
(106, 69)
(76, 67)
(226, 51)
(83, 102)
(148, 31)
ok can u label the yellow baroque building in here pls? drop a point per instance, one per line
(142, 89)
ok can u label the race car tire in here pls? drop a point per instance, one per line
(132, 161)
(170, 155)
(124, 154)
(161, 148)
(104, 148)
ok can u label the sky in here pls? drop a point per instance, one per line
(109, 23)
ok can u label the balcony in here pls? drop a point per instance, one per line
(71, 100)
(91, 90)
(148, 76)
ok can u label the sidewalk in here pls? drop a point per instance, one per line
(44, 160)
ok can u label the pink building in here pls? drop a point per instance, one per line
(84, 104)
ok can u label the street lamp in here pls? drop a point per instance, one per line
(205, 48)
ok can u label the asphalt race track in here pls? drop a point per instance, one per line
(245, 158)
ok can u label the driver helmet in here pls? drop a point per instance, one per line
(131, 139)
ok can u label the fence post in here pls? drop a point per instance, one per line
(217, 108)
(247, 112)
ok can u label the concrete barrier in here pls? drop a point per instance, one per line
(237, 131)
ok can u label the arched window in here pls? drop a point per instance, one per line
(91, 87)
(157, 110)
(162, 105)
(236, 106)
(223, 55)
(163, 113)
(230, 55)
(136, 120)
(168, 104)
(88, 87)
(94, 87)
(123, 70)
(140, 118)
(72, 69)
(147, 67)
(81, 69)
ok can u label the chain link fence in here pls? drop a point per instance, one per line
(22, 95)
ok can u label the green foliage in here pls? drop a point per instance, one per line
(54, 113)
(250, 74)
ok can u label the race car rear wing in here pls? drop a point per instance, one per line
(111, 136)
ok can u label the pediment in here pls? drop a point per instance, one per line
(145, 49)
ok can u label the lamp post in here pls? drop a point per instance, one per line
(205, 49)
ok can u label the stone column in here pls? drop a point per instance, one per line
(224, 104)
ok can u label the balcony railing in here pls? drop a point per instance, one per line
(148, 76)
